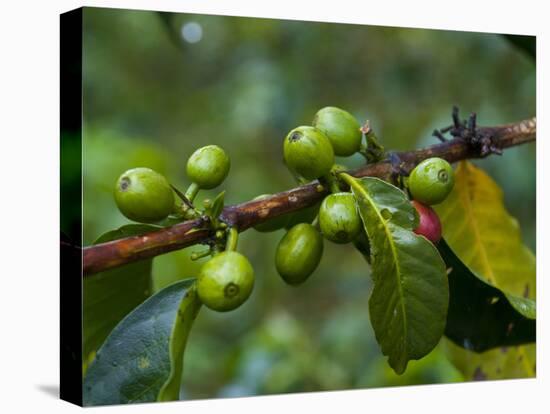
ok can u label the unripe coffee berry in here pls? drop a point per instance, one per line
(431, 181)
(341, 128)
(273, 224)
(308, 152)
(338, 218)
(208, 166)
(225, 282)
(144, 195)
(299, 253)
(429, 224)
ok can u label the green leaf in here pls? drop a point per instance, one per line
(487, 240)
(480, 316)
(142, 359)
(499, 363)
(485, 237)
(217, 204)
(127, 230)
(408, 305)
(109, 296)
(172, 219)
(527, 307)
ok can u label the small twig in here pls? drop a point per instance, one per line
(438, 133)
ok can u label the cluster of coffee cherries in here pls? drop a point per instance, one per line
(309, 153)
(226, 280)
(145, 196)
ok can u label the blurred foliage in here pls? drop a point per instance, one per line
(151, 97)
(526, 43)
(109, 296)
(71, 186)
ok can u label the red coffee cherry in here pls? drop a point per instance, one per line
(429, 225)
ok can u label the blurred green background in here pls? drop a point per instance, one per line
(158, 85)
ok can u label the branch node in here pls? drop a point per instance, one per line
(439, 135)
(398, 170)
(482, 142)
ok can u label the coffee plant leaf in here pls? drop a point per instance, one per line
(408, 305)
(486, 238)
(217, 204)
(142, 359)
(109, 296)
(498, 363)
(480, 316)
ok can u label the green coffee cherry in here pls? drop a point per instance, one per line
(308, 152)
(431, 181)
(273, 224)
(338, 218)
(144, 195)
(225, 282)
(208, 166)
(299, 253)
(341, 128)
